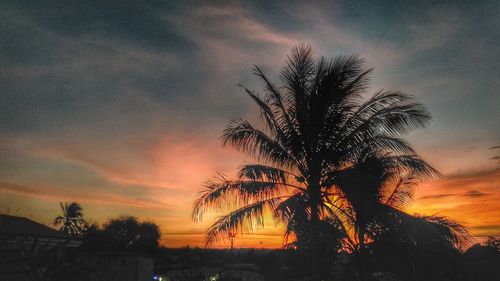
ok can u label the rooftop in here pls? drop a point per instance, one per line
(20, 225)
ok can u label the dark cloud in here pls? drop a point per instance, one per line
(470, 194)
(74, 63)
(437, 196)
(475, 194)
(77, 63)
(137, 22)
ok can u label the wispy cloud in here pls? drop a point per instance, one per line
(437, 196)
(469, 198)
(470, 193)
(102, 105)
(100, 198)
(475, 194)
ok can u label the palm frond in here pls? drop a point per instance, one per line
(340, 209)
(452, 231)
(243, 220)
(58, 220)
(225, 194)
(388, 144)
(293, 207)
(266, 112)
(258, 172)
(244, 137)
(342, 76)
(299, 68)
(297, 76)
(281, 110)
(74, 210)
(385, 114)
(410, 164)
(401, 195)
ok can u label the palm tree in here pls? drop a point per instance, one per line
(71, 221)
(316, 124)
(377, 189)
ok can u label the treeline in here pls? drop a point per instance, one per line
(122, 233)
(117, 234)
(479, 262)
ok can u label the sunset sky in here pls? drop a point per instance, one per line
(119, 105)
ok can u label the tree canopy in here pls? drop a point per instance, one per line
(71, 221)
(123, 233)
(331, 163)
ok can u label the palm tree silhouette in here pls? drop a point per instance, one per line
(376, 190)
(318, 126)
(71, 221)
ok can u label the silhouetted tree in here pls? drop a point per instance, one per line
(316, 125)
(71, 221)
(123, 233)
(493, 243)
(481, 261)
(94, 238)
(376, 190)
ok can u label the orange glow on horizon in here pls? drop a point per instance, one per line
(176, 166)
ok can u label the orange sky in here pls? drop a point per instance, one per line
(122, 112)
(177, 167)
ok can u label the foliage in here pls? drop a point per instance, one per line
(123, 233)
(316, 125)
(127, 232)
(71, 221)
(331, 164)
(493, 243)
(481, 261)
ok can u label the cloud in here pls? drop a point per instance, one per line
(487, 230)
(437, 196)
(138, 23)
(236, 24)
(469, 198)
(470, 193)
(475, 194)
(102, 198)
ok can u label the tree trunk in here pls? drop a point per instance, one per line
(363, 273)
(314, 191)
(315, 245)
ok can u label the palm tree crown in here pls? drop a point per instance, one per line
(314, 155)
(71, 221)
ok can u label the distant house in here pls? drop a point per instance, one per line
(229, 272)
(200, 273)
(116, 266)
(238, 272)
(30, 250)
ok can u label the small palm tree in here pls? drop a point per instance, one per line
(376, 190)
(379, 187)
(71, 221)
